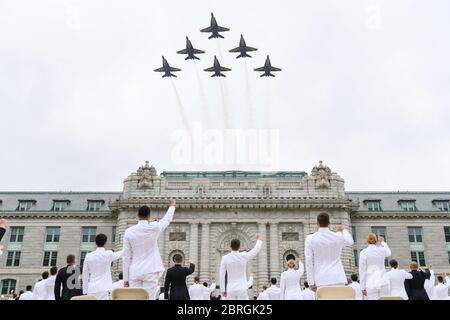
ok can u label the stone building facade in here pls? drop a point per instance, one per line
(215, 207)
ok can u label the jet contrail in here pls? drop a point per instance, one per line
(248, 95)
(180, 106)
(202, 96)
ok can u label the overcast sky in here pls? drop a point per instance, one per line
(364, 87)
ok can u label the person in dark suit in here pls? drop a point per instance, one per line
(175, 285)
(415, 286)
(69, 279)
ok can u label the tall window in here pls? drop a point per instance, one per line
(94, 205)
(355, 254)
(408, 205)
(113, 235)
(447, 234)
(50, 258)
(25, 205)
(88, 234)
(415, 234)
(443, 205)
(60, 205)
(380, 232)
(13, 259)
(53, 234)
(16, 234)
(8, 285)
(82, 257)
(418, 256)
(373, 205)
(354, 233)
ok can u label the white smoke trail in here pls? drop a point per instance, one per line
(248, 92)
(180, 107)
(205, 110)
(226, 116)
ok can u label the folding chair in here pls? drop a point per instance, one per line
(84, 297)
(335, 293)
(390, 298)
(130, 294)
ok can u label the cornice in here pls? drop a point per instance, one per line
(57, 214)
(372, 215)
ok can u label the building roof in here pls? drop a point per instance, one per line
(233, 174)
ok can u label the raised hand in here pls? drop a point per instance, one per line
(172, 202)
(3, 223)
(380, 239)
(340, 227)
(258, 236)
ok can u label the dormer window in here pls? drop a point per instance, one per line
(60, 205)
(408, 205)
(25, 205)
(442, 205)
(95, 205)
(373, 205)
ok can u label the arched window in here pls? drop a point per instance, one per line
(171, 263)
(8, 285)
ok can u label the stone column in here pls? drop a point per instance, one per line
(262, 256)
(204, 254)
(274, 252)
(121, 227)
(193, 245)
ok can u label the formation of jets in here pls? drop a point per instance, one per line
(217, 69)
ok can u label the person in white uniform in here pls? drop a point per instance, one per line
(273, 292)
(372, 269)
(40, 292)
(199, 291)
(161, 294)
(27, 295)
(119, 283)
(396, 278)
(263, 294)
(440, 291)
(323, 254)
(290, 282)
(429, 283)
(50, 283)
(96, 275)
(142, 264)
(307, 293)
(356, 286)
(234, 266)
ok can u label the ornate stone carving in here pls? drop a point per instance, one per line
(267, 190)
(146, 175)
(322, 174)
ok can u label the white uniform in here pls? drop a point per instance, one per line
(357, 287)
(40, 292)
(234, 265)
(323, 257)
(117, 284)
(273, 292)
(161, 296)
(396, 279)
(263, 295)
(208, 290)
(142, 264)
(28, 295)
(199, 292)
(372, 270)
(50, 287)
(440, 291)
(308, 294)
(96, 275)
(429, 284)
(290, 284)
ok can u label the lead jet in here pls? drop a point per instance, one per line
(214, 28)
(167, 69)
(190, 51)
(242, 49)
(267, 68)
(216, 68)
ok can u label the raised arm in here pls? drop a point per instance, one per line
(213, 286)
(300, 269)
(347, 238)
(2, 228)
(250, 281)
(309, 261)
(252, 253)
(385, 247)
(168, 217)
(191, 268)
(126, 260)
(407, 275)
(116, 255)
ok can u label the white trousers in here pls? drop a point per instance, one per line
(104, 295)
(149, 282)
(375, 293)
(238, 295)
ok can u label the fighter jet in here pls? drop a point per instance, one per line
(267, 68)
(214, 28)
(242, 49)
(167, 69)
(216, 68)
(190, 50)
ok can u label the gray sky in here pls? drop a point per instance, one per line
(364, 87)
